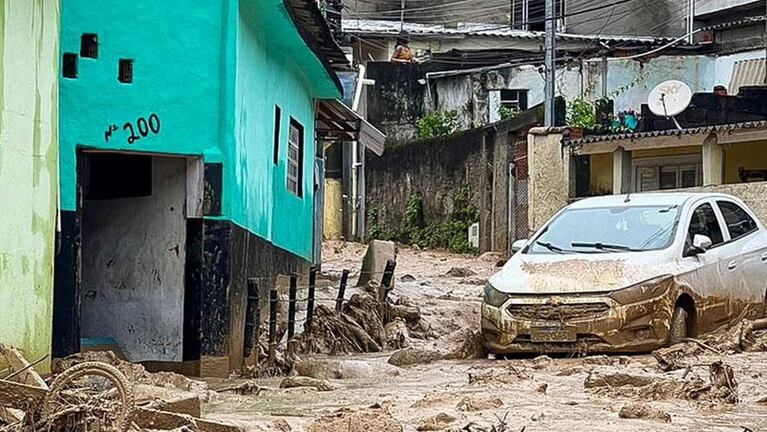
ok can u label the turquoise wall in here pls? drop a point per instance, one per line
(211, 72)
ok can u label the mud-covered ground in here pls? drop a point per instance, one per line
(585, 394)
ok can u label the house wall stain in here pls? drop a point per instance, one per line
(28, 151)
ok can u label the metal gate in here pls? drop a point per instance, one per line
(518, 225)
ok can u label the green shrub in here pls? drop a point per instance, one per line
(581, 114)
(438, 123)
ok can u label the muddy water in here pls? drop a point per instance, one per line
(420, 392)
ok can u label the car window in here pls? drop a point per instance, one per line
(608, 229)
(739, 223)
(704, 222)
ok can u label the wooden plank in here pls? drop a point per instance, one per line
(148, 418)
(18, 363)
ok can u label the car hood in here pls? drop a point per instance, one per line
(579, 273)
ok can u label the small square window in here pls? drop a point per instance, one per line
(125, 74)
(89, 45)
(69, 65)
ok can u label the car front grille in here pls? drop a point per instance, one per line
(558, 312)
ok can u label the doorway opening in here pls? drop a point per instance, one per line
(134, 240)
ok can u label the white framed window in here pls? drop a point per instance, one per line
(514, 99)
(294, 171)
(530, 14)
(663, 173)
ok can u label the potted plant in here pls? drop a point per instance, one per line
(580, 116)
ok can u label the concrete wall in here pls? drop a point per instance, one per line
(133, 267)
(704, 7)
(549, 176)
(28, 172)
(435, 168)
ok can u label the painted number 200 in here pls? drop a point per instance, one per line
(143, 126)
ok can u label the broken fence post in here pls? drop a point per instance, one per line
(292, 306)
(342, 290)
(252, 320)
(273, 305)
(385, 288)
(310, 298)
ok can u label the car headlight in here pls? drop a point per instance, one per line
(645, 290)
(493, 297)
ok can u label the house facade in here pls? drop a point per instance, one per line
(187, 162)
(28, 173)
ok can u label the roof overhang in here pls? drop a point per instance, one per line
(335, 121)
(725, 134)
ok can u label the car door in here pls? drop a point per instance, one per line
(707, 279)
(748, 244)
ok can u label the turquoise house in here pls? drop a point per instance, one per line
(188, 164)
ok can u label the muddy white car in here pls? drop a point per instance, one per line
(628, 274)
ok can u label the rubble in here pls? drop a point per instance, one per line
(374, 419)
(342, 369)
(493, 377)
(475, 403)
(721, 385)
(438, 422)
(461, 272)
(643, 411)
(301, 381)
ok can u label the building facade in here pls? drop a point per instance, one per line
(187, 167)
(28, 173)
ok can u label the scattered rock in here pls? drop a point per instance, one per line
(462, 344)
(571, 403)
(491, 256)
(369, 420)
(247, 388)
(542, 362)
(439, 422)
(281, 425)
(542, 388)
(509, 374)
(537, 417)
(476, 403)
(341, 369)
(407, 278)
(300, 381)
(501, 263)
(461, 272)
(643, 411)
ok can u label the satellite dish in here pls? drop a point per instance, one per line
(669, 98)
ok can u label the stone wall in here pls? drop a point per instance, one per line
(549, 175)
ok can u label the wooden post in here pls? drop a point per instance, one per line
(310, 298)
(385, 288)
(292, 306)
(273, 305)
(342, 290)
(252, 320)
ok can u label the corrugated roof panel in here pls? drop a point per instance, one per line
(747, 73)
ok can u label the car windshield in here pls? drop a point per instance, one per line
(601, 230)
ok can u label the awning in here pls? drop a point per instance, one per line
(337, 122)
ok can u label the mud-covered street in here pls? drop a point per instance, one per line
(364, 392)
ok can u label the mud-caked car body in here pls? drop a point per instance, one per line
(628, 274)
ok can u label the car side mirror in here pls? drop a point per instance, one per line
(518, 245)
(700, 244)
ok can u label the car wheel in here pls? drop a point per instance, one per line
(678, 328)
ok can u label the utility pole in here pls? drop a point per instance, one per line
(550, 62)
(402, 16)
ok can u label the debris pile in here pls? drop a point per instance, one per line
(643, 411)
(372, 419)
(720, 385)
(463, 344)
(109, 395)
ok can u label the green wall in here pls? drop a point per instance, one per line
(211, 72)
(28, 172)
